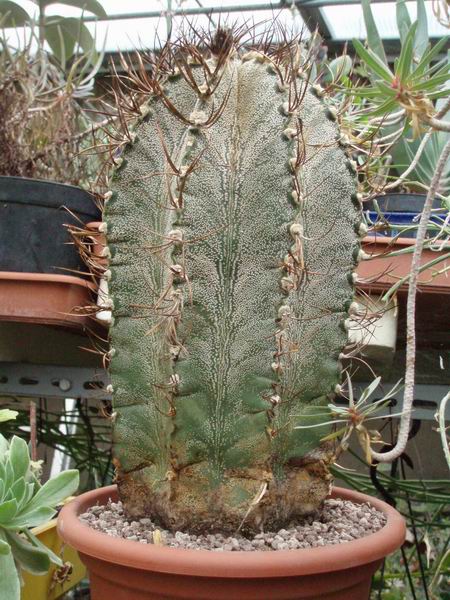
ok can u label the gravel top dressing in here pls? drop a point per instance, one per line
(338, 522)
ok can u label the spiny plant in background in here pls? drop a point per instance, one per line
(396, 115)
(46, 116)
(233, 229)
(383, 115)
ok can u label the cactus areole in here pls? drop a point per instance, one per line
(232, 230)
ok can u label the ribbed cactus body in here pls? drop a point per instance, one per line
(232, 242)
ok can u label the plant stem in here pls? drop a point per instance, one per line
(41, 24)
(411, 317)
(436, 121)
(33, 437)
(413, 164)
(393, 290)
(442, 427)
(436, 124)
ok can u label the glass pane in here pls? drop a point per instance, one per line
(149, 33)
(346, 21)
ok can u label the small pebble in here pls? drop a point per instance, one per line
(339, 522)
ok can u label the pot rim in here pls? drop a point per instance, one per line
(46, 193)
(230, 564)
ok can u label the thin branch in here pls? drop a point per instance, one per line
(411, 317)
(442, 427)
(436, 121)
(436, 124)
(422, 268)
(413, 164)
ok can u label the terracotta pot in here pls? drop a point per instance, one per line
(45, 299)
(127, 570)
(381, 272)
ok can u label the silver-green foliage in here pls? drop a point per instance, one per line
(233, 233)
(25, 503)
(420, 74)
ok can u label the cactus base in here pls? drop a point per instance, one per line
(189, 504)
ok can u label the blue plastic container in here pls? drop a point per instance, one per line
(402, 209)
(403, 219)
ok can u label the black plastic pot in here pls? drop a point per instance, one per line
(33, 215)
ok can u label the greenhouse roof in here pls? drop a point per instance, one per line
(144, 23)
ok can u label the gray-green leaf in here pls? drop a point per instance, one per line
(10, 586)
(18, 491)
(338, 68)
(5, 548)
(422, 29)
(3, 447)
(38, 544)
(373, 37)
(56, 490)
(34, 560)
(63, 34)
(403, 19)
(31, 518)
(12, 15)
(19, 457)
(91, 6)
(8, 511)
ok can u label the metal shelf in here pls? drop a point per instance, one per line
(53, 381)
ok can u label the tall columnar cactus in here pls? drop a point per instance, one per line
(232, 230)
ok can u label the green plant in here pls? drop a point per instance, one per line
(355, 417)
(402, 96)
(232, 226)
(420, 569)
(7, 414)
(25, 503)
(64, 35)
(88, 446)
(414, 89)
